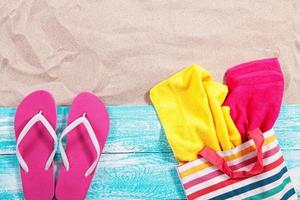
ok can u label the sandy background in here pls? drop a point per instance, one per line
(120, 49)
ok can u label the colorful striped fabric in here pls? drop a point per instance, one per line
(201, 180)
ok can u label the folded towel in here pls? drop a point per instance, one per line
(189, 106)
(255, 94)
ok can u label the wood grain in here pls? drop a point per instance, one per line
(137, 162)
(127, 176)
(137, 129)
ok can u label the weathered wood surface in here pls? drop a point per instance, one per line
(137, 162)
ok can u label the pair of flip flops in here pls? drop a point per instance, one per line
(86, 133)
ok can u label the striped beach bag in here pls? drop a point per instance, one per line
(253, 170)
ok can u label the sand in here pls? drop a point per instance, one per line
(120, 49)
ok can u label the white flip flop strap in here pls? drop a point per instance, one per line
(81, 120)
(37, 118)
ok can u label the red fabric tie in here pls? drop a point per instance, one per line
(218, 161)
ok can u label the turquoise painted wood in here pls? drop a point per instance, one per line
(137, 162)
(119, 176)
(129, 126)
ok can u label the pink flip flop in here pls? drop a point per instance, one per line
(86, 134)
(35, 124)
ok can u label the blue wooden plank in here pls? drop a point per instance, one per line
(132, 129)
(287, 127)
(126, 169)
(137, 129)
(128, 176)
(119, 176)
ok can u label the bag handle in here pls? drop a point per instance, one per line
(218, 161)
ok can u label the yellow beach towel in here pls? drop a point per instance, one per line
(189, 106)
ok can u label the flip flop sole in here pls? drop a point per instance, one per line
(37, 145)
(73, 184)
